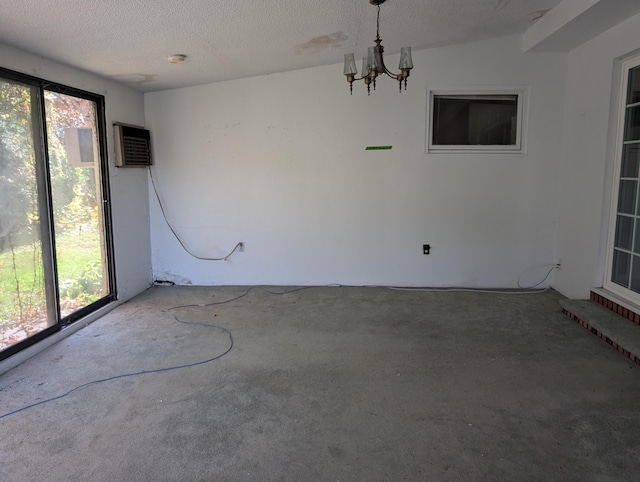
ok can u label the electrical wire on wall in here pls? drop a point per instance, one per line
(177, 236)
(551, 267)
(522, 290)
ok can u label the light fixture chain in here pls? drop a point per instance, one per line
(378, 25)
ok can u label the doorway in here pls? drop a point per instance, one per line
(623, 262)
(56, 261)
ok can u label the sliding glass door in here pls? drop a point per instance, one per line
(55, 237)
(23, 293)
(81, 257)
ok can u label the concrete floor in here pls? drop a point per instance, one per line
(327, 384)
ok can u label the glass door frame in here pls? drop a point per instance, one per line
(634, 297)
(43, 180)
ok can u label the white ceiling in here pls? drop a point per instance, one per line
(130, 40)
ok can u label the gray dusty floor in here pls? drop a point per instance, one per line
(327, 384)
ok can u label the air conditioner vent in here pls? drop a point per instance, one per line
(133, 146)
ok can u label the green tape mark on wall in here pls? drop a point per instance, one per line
(378, 148)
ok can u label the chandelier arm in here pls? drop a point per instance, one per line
(387, 71)
(391, 74)
(360, 78)
(382, 68)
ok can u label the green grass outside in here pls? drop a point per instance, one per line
(79, 272)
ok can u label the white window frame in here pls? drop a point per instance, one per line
(625, 66)
(521, 128)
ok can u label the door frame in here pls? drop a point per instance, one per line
(45, 204)
(625, 67)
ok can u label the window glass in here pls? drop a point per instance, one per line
(23, 303)
(627, 197)
(624, 232)
(72, 133)
(632, 128)
(621, 268)
(630, 160)
(475, 121)
(633, 90)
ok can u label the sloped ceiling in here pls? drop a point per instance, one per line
(130, 40)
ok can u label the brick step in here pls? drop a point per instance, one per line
(616, 330)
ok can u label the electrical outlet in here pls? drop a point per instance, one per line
(426, 249)
(241, 249)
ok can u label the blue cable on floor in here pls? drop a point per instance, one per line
(166, 369)
(220, 328)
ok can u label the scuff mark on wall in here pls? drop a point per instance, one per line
(166, 278)
(317, 44)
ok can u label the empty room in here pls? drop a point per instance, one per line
(320, 240)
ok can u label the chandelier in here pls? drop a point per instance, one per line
(373, 63)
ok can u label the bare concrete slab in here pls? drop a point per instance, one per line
(346, 384)
(621, 331)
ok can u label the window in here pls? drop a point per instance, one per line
(56, 262)
(476, 121)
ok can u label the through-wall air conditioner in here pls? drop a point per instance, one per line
(133, 146)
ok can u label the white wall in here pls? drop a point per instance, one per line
(279, 162)
(586, 175)
(129, 194)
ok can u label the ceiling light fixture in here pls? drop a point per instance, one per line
(373, 63)
(177, 58)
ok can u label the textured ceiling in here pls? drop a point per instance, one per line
(130, 40)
